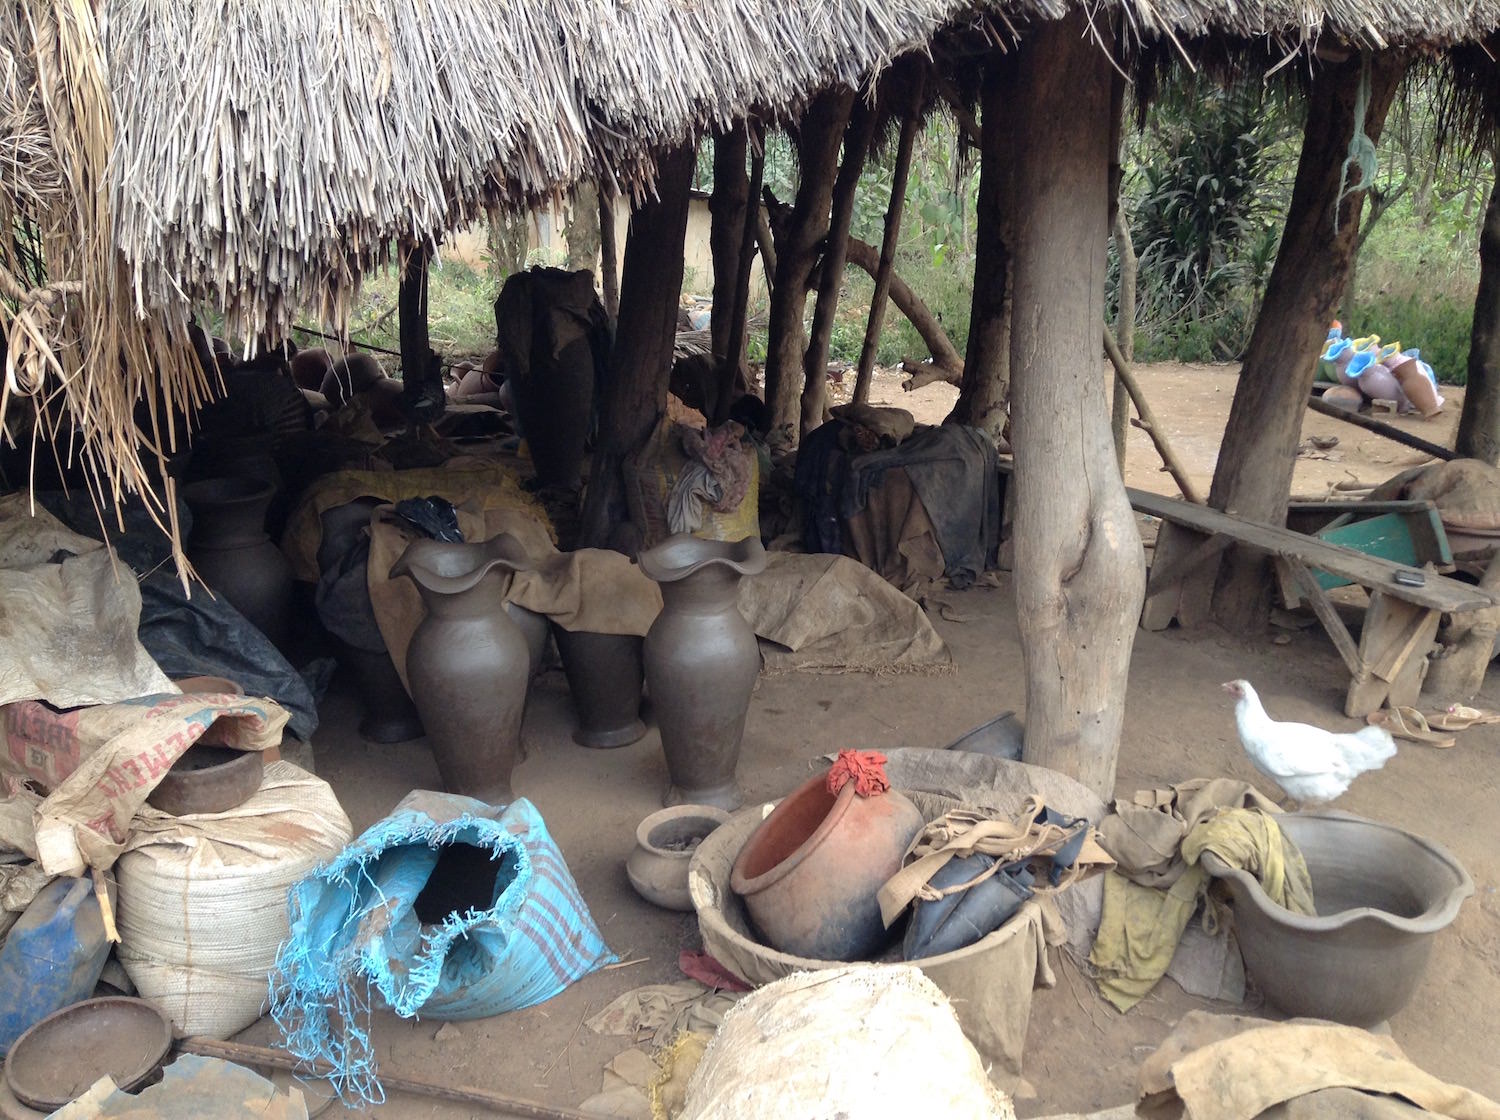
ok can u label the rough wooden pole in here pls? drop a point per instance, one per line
(1254, 473)
(940, 347)
(1124, 331)
(986, 381)
(1479, 423)
(820, 132)
(1132, 388)
(1080, 572)
(609, 253)
(899, 176)
(726, 235)
(422, 397)
(641, 361)
(1389, 431)
(739, 326)
(857, 137)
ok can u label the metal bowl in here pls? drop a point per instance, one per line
(59, 1058)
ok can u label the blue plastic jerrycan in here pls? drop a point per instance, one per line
(52, 957)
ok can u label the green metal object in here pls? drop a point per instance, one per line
(1408, 533)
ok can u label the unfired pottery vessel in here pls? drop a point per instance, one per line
(1414, 383)
(664, 846)
(1382, 894)
(809, 874)
(232, 554)
(701, 663)
(605, 676)
(468, 664)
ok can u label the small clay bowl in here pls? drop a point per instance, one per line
(664, 846)
(59, 1058)
(208, 779)
(215, 735)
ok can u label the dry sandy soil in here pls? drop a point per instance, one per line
(1081, 1054)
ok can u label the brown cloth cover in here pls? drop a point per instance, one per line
(1232, 1067)
(894, 536)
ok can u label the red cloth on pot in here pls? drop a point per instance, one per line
(866, 769)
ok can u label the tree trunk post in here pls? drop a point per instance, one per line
(635, 396)
(726, 235)
(609, 253)
(739, 320)
(1479, 423)
(584, 227)
(1080, 572)
(1124, 332)
(857, 137)
(821, 131)
(986, 380)
(422, 396)
(1254, 474)
(899, 176)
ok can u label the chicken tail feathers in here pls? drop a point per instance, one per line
(1380, 747)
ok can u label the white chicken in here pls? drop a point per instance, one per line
(1311, 765)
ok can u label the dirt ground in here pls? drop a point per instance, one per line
(1081, 1054)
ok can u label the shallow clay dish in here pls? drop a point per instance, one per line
(208, 779)
(60, 1057)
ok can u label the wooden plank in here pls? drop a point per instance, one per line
(1160, 608)
(1392, 650)
(1298, 574)
(1437, 593)
(1390, 432)
(1172, 573)
(1406, 683)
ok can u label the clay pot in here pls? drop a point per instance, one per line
(701, 663)
(664, 846)
(809, 874)
(388, 714)
(536, 630)
(1414, 383)
(604, 675)
(1377, 383)
(468, 665)
(214, 735)
(1344, 396)
(232, 554)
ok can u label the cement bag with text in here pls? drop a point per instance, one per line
(203, 898)
(449, 909)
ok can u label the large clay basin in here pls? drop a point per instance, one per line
(1381, 895)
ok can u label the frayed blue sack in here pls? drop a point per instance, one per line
(448, 908)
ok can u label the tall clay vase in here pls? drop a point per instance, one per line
(1414, 383)
(232, 554)
(605, 676)
(468, 664)
(701, 663)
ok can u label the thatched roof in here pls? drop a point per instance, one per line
(259, 156)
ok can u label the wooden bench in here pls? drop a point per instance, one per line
(1389, 661)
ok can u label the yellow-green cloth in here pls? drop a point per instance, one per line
(1140, 926)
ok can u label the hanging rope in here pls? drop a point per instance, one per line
(1361, 148)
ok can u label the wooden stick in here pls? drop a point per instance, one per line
(899, 176)
(267, 1058)
(1148, 420)
(1369, 424)
(106, 909)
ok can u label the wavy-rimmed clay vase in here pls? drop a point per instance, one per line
(701, 663)
(605, 674)
(232, 554)
(468, 664)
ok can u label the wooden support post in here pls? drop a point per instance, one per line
(1079, 569)
(1149, 422)
(641, 361)
(1393, 649)
(857, 137)
(609, 253)
(899, 176)
(1479, 423)
(726, 208)
(734, 346)
(422, 396)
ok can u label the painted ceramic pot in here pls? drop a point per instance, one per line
(605, 675)
(702, 660)
(468, 664)
(809, 874)
(232, 554)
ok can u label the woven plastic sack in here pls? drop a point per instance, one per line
(861, 1041)
(448, 908)
(202, 898)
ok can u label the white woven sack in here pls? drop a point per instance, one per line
(202, 905)
(867, 1042)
